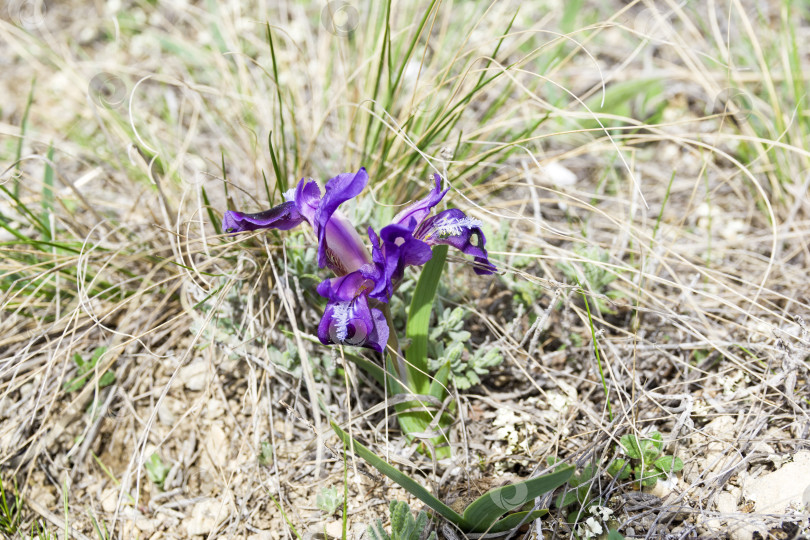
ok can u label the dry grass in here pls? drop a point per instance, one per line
(692, 208)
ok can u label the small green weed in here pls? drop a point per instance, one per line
(40, 532)
(579, 496)
(403, 524)
(85, 370)
(10, 510)
(646, 461)
(448, 343)
(592, 273)
(329, 499)
(156, 470)
(265, 456)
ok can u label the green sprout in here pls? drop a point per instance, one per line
(403, 524)
(156, 470)
(85, 370)
(10, 509)
(329, 499)
(594, 273)
(265, 453)
(646, 461)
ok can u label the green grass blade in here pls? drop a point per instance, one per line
(47, 194)
(596, 348)
(407, 56)
(23, 128)
(419, 319)
(487, 508)
(512, 521)
(211, 217)
(281, 180)
(280, 102)
(411, 485)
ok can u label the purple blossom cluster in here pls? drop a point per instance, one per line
(365, 279)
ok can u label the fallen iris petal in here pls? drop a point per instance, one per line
(284, 216)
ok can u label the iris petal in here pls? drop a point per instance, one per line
(284, 216)
(420, 209)
(453, 227)
(339, 189)
(352, 321)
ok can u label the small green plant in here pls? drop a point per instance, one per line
(646, 461)
(329, 499)
(579, 496)
(10, 509)
(265, 456)
(403, 524)
(100, 527)
(586, 510)
(40, 532)
(85, 370)
(156, 470)
(465, 367)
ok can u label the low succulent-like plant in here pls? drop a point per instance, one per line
(156, 470)
(328, 500)
(403, 524)
(448, 344)
(593, 272)
(646, 461)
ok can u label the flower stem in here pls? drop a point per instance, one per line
(393, 345)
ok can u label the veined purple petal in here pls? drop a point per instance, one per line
(284, 216)
(339, 189)
(455, 228)
(341, 246)
(352, 322)
(345, 288)
(307, 197)
(420, 209)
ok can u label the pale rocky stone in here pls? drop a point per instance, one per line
(334, 529)
(215, 409)
(663, 487)
(109, 500)
(774, 492)
(194, 376)
(261, 535)
(216, 445)
(558, 174)
(167, 412)
(206, 515)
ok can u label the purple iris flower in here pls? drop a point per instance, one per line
(348, 318)
(340, 247)
(407, 240)
(351, 317)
